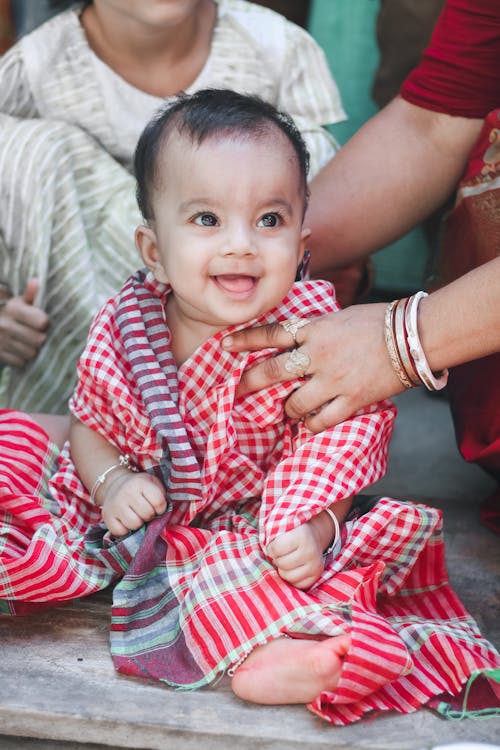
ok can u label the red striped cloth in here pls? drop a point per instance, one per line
(198, 592)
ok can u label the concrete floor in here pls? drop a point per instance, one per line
(58, 689)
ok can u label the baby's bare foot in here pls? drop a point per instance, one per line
(289, 670)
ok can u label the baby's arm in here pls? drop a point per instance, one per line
(128, 499)
(298, 554)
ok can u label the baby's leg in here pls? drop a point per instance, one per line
(289, 670)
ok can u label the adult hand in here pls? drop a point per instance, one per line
(350, 366)
(22, 328)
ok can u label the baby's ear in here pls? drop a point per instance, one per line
(304, 236)
(145, 240)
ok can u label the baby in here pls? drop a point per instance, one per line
(225, 527)
(222, 186)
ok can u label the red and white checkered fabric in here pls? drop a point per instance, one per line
(194, 598)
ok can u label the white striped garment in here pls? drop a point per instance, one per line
(69, 126)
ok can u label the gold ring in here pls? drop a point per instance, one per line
(292, 325)
(297, 363)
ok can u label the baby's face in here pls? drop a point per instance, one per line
(228, 226)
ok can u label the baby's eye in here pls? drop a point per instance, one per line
(206, 220)
(269, 220)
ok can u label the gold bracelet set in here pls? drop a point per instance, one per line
(404, 347)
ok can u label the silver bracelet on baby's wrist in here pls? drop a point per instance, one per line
(124, 460)
(336, 535)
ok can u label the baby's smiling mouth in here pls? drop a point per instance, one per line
(236, 283)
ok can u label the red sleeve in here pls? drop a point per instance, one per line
(460, 70)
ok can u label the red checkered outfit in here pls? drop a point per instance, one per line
(197, 591)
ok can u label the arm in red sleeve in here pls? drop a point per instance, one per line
(458, 73)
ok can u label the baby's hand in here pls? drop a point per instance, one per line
(298, 555)
(130, 500)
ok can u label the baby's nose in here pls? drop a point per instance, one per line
(240, 241)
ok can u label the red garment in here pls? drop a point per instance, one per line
(7, 35)
(198, 591)
(458, 73)
(471, 237)
(473, 404)
(250, 449)
(45, 510)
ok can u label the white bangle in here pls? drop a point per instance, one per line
(336, 535)
(124, 460)
(432, 382)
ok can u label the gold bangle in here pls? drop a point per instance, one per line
(401, 340)
(391, 346)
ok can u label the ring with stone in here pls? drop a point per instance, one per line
(292, 325)
(297, 363)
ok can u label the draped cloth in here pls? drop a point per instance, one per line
(196, 590)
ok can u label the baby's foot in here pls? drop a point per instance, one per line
(289, 670)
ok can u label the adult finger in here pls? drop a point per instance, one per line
(311, 395)
(341, 407)
(274, 369)
(13, 359)
(22, 337)
(18, 343)
(17, 351)
(268, 372)
(25, 312)
(272, 336)
(331, 414)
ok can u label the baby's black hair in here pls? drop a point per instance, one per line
(206, 113)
